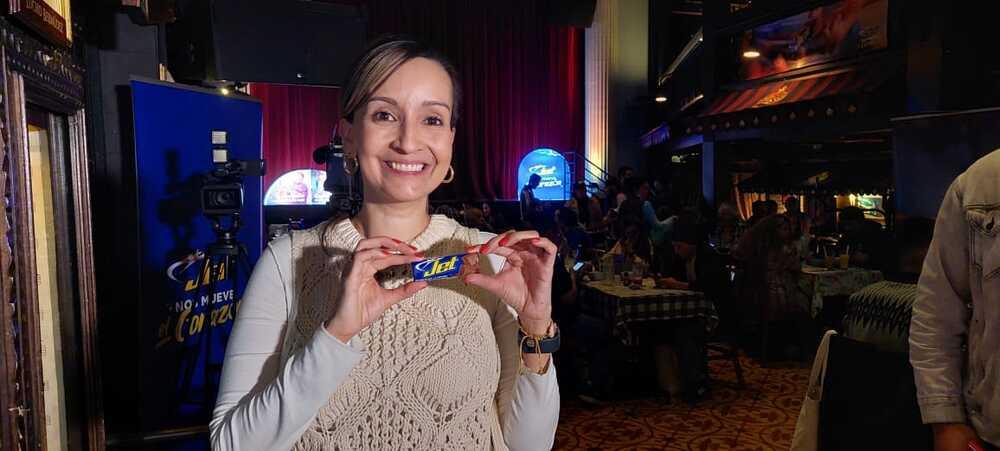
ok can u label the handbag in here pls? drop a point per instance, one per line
(806, 436)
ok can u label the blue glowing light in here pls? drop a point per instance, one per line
(552, 167)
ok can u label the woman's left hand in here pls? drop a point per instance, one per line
(525, 282)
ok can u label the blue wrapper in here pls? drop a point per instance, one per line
(445, 267)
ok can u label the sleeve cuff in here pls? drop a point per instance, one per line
(354, 346)
(942, 410)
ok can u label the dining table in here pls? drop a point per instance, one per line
(626, 307)
(819, 282)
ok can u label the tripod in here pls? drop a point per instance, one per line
(225, 262)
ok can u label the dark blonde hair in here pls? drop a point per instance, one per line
(383, 57)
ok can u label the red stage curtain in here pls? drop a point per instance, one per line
(522, 83)
(297, 120)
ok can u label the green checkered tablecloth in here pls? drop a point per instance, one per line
(622, 306)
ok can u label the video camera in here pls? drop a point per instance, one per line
(345, 195)
(223, 194)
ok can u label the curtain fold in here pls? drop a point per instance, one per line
(297, 120)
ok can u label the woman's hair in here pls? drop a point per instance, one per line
(383, 57)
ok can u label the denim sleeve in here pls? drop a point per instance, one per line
(940, 317)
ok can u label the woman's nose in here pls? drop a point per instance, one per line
(407, 141)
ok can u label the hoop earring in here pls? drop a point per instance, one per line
(352, 168)
(450, 176)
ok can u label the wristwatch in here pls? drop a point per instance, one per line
(547, 344)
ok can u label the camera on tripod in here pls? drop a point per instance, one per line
(223, 194)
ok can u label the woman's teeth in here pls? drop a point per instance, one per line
(406, 167)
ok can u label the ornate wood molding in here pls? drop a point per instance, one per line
(31, 70)
(43, 64)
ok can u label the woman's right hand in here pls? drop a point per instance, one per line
(362, 299)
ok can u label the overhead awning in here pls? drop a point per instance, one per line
(796, 90)
(860, 177)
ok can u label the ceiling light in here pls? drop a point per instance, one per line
(750, 54)
(660, 99)
(224, 91)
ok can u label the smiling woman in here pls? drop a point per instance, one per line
(337, 346)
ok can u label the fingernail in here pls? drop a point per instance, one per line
(471, 249)
(397, 241)
(503, 241)
(386, 252)
(420, 254)
(483, 249)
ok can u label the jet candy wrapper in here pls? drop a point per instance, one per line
(446, 267)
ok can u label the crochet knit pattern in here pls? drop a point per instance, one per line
(432, 366)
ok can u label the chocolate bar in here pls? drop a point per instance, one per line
(445, 267)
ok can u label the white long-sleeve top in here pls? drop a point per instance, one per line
(286, 382)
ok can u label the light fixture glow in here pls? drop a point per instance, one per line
(750, 54)
(224, 91)
(660, 99)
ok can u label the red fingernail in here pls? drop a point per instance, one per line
(483, 248)
(386, 252)
(412, 246)
(503, 241)
(397, 241)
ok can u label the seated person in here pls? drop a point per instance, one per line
(865, 238)
(572, 231)
(634, 241)
(703, 271)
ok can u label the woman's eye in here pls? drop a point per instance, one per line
(381, 116)
(433, 120)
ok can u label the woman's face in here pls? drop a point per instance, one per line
(403, 137)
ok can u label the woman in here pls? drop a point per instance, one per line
(773, 267)
(336, 347)
(769, 253)
(728, 231)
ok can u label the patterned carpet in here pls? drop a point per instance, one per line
(761, 416)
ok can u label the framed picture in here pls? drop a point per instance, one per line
(50, 18)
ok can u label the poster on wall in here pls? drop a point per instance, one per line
(192, 288)
(840, 30)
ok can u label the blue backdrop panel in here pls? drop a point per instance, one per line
(552, 167)
(189, 300)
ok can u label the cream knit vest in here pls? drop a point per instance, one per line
(429, 378)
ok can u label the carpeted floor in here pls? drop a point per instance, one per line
(761, 416)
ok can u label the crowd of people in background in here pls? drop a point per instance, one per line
(749, 268)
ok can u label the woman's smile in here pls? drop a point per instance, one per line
(406, 168)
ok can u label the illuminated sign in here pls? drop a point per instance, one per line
(551, 166)
(298, 187)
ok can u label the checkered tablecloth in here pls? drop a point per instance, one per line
(819, 282)
(622, 306)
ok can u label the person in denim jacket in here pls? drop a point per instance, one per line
(955, 330)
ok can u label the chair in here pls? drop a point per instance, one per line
(869, 400)
(723, 344)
